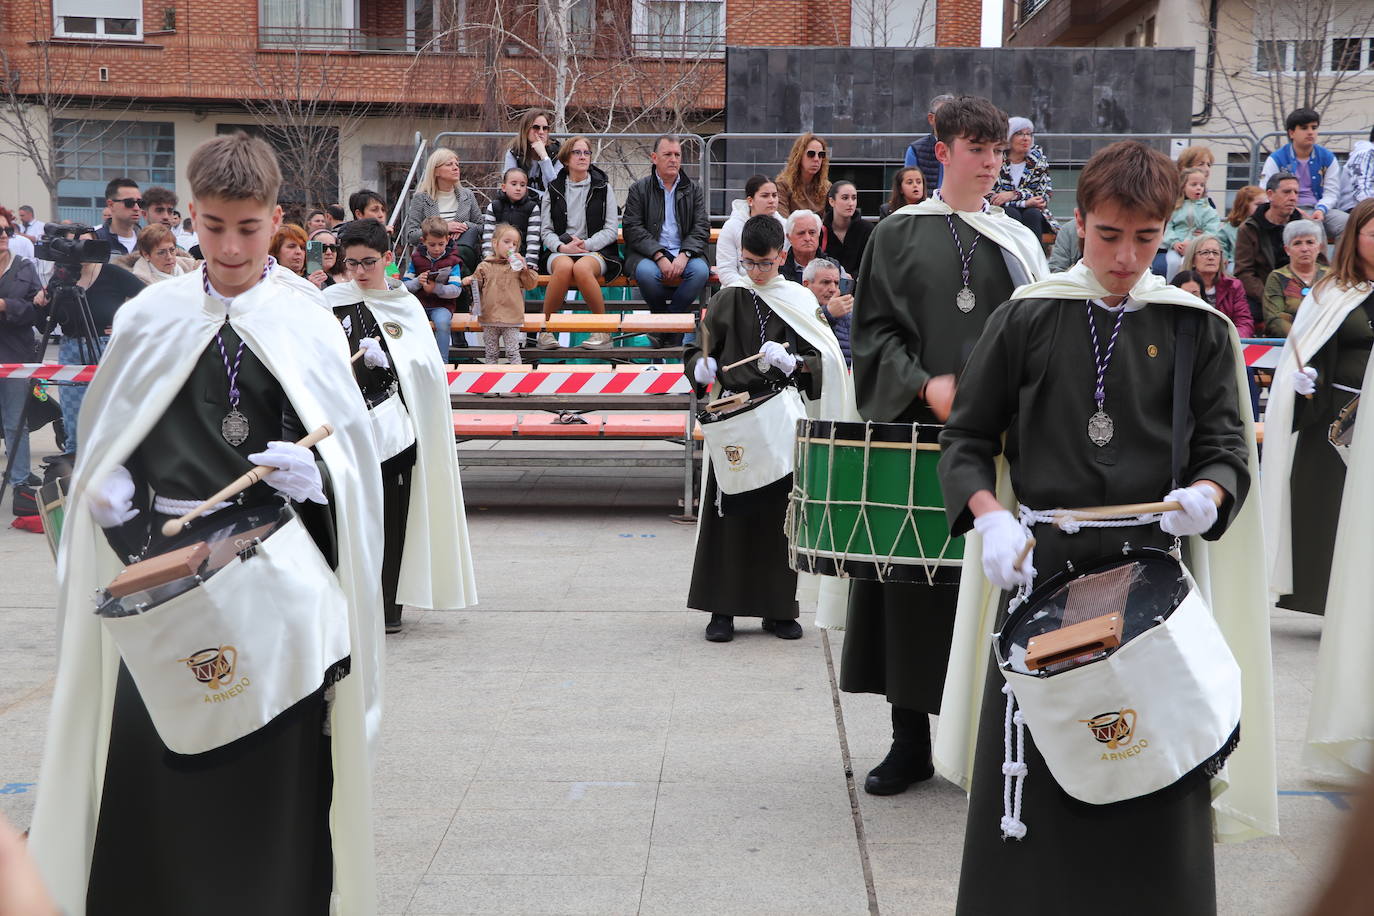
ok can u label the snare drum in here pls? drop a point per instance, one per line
(242, 619)
(866, 504)
(52, 506)
(751, 446)
(392, 428)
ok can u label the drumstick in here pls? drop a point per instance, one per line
(1025, 552)
(359, 355)
(174, 526)
(748, 359)
(1297, 354)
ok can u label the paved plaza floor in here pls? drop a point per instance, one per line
(573, 746)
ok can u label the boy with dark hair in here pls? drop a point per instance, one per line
(126, 209)
(426, 562)
(206, 376)
(367, 204)
(1072, 382)
(432, 276)
(161, 206)
(1316, 168)
(515, 206)
(933, 274)
(740, 568)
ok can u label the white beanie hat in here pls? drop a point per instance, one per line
(1016, 125)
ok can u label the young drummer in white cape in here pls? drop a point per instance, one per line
(207, 375)
(1072, 381)
(426, 557)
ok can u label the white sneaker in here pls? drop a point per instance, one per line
(546, 341)
(598, 340)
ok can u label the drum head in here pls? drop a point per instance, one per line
(1145, 586)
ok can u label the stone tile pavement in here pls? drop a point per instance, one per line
(573, 746)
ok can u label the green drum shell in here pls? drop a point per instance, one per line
(861, 507)
(52, 503)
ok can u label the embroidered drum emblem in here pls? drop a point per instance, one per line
(392, 329)
(1114, 729)
(734, 454)
(213, 667)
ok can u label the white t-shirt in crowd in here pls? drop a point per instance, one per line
(128, 241)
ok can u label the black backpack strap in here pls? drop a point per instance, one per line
(1185, 352)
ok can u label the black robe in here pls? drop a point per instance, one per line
(247, 823)
(1032, 376)
(1318, 474)
(907, 329)
(741, 568)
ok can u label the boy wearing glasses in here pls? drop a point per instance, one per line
(426, 562)
(740, 568)
(933, 274)
(126, 210)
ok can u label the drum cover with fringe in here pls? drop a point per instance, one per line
(220, 661)
(391, 426)
(1141, 718)
(752, 448)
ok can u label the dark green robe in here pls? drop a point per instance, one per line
(1032, 375)
(741, 568)
(250, 819)
(1318, 475)
(906, 329)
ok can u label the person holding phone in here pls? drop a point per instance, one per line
(323, 266)
(835, 293)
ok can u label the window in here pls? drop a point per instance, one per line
(90, 153)
(680, 28)
(305, 23)
(117, 19)
(1346, 53)
(1148, 33)
(1288, 55)
(581, 23)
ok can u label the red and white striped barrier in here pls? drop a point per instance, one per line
(47, 372)
(1262, 356)
(569, 381)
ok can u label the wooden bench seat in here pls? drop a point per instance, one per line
(609, 323)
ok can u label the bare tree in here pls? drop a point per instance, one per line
(893, 23)
(42, 88)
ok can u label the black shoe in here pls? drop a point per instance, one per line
(908, 761)
(25, 501)
(33, 480)
(393, 626)
(721, 628)
(783, 629)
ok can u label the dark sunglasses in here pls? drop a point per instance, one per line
(539, 127)
(9, 230)
(328, 247)
(133, 203)
(815, 154)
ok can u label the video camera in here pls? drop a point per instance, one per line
(62, 244)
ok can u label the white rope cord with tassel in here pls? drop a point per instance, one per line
(1013, 769)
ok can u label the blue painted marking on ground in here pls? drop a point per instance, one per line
(16, 788)
(1337, 799)
(637, 535)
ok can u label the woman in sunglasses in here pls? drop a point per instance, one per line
(331, 264)
(805, 181)
(534, 151)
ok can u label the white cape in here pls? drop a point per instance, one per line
(436, 561)
(158, 337)
(1245, 793)
(796, 305)
(1020, 248)
(1340, 725)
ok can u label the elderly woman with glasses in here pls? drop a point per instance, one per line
(1023, 186)
(1206, 255)
(804, 181)
(157, 255)
(1287, 286)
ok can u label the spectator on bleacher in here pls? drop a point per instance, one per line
(921, 153)
(157, 255)
(515, 206)
(500, 283)
(534, 152)
(440, 194)
(1067, 250)
(822, 277)
(29, 226)
(367, 204)
(288, 247)
(805, 179)
(432, 277)
(760, 199)
(1023, 187)
(1357, 178)
(844, 231)
(1190, 281)
(1206, 258)
(125, 203)
(1316, 168)
(1193, 217)
(1242, 208)
(1197, 157)
(331, 259)
(1259, 240)
(803, 230)
(1288, 285)
(580, 222)
(908, 187)
(667, 230)
(19, 284)
(187, 240)
(160, 206)
(316, 219)
(336, 215)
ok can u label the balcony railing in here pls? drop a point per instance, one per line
(1025, 8)
(669, 47)
(679, 47)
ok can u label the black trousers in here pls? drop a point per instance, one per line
(396, 473)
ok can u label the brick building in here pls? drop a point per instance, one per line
(134, 85)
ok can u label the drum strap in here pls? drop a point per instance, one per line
(1185, 350)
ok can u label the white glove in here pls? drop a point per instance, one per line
(1003, 541)
(1305, 381)
(1198, 515)
(374, 357)
(704, 372)
(112, 502)
(776, 356)
(297, 478)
